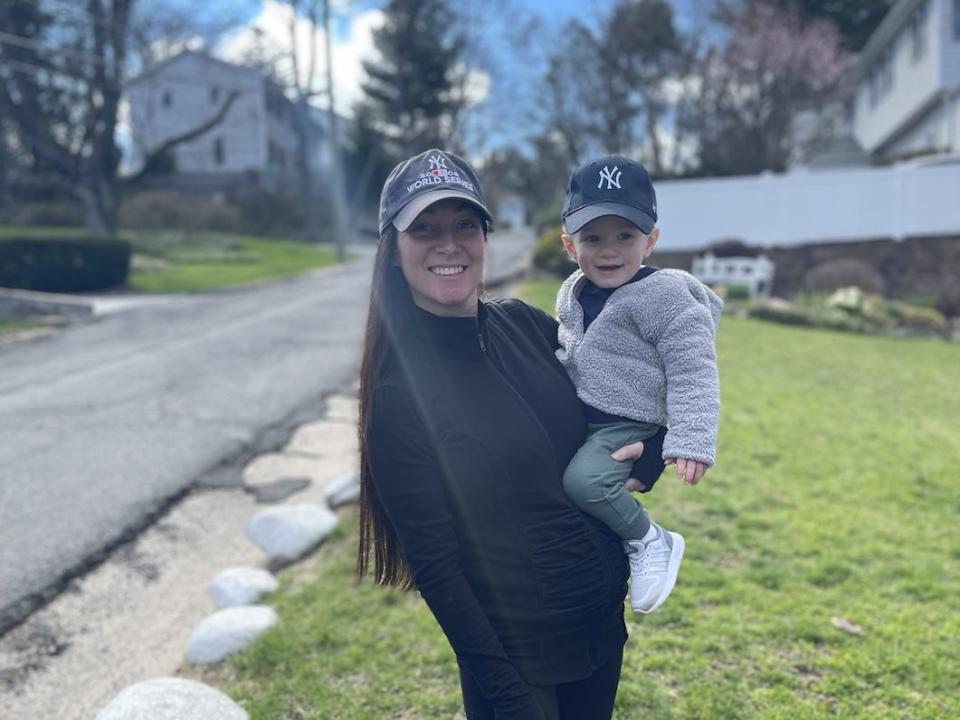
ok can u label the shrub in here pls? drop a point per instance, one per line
(917, 320)
(733, 247)
(736, 292)
(850, 310)
(845, 272)
(63, 264)
(171, 210)
(779, 311)
(549, 255)
(948, 300)
(265, 213)
(48, 214)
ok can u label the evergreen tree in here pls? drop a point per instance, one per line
(413, 93)
(411, 87)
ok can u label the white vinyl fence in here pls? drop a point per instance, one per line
(809, 206)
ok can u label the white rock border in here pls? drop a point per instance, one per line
(171, 699)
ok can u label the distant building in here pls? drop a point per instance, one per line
(511, 213)
(907, 97)
(256, 142)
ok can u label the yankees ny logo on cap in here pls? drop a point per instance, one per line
(613, 181)
(610, 185)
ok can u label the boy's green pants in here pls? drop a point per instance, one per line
(594, 480)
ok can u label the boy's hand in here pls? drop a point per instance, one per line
(690, 471)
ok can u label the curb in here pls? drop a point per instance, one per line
(30, 303)
(150, 698)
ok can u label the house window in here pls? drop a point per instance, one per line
(881, 77)
(166, 99)
(918, 32)
(872, 87)
(214, 94)
(276, 155)
(218, 151)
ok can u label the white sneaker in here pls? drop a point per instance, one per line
(654, 563)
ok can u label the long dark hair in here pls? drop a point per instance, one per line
(391, 304)
(390, 299)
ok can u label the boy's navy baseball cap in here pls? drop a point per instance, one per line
(422, 180)
(610, 185)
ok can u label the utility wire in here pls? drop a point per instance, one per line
(33, 44)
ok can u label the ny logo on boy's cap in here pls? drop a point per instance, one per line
(611, 176)
(610, 185)
(437, 162)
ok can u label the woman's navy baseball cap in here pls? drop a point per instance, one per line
(422, 180)
(610, 185)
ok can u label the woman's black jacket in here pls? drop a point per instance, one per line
(470, 429)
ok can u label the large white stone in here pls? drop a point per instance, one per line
(342, 407)
(240, 586)
(271, 467)
(227, 631)
(287, 532)
(171, 699)
(343, 491)
(324, 438)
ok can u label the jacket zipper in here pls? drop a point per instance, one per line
(483, 345)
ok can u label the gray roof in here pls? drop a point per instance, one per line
(163, 64)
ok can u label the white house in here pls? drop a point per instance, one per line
(255, 142)
(907, 97)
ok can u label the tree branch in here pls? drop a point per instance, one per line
(153, 157)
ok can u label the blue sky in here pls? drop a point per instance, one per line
(511, 67)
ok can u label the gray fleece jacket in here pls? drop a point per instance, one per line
(649, 356)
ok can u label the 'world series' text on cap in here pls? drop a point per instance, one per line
(424, 179)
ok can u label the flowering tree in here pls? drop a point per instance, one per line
(773, 65)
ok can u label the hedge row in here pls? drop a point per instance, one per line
(63, 264)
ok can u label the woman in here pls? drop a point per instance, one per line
(467, 421)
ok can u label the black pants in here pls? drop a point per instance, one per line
(589, 699)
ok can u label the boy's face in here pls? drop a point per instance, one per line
(610, 250)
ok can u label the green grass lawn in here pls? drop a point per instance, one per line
(250, 260)
(12, 326)
(834, 497)
(169, 262)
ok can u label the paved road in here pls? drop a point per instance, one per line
(507, 255)
(105, 423)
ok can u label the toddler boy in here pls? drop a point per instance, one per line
(638, 344)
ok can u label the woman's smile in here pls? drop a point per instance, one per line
(447, 269)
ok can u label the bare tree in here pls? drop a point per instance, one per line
(773, 65)
(302, 86)
(62, 74)
(333, 143)
(607, 89)
(570, 100)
